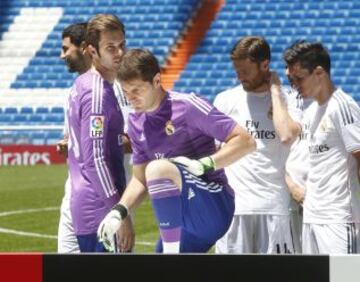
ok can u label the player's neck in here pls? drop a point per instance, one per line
(160, 96)
(86, 65)
(106, 74)
(261, 89)
(326, 92)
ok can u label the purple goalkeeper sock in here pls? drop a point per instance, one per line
(166, 201)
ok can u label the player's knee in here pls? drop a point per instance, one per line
(161, 169)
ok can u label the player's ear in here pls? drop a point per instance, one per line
(157, 80)
(265, 65)
(319, 70)
(83, 46)
(92, 50)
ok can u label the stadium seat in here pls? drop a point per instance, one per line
(42, 110)
(335, 23)
(10, 110)
(165, 18)
(26, 110)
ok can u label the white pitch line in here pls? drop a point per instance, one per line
(28, 211)
(28, 234)
(38, 235)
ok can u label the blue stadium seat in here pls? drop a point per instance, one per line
(36, 118)
(162, 23)
(42, 110)
(26, 110)
(54, 118)
(20, 119)
(10, 110)
(57, 110)
(5, 119)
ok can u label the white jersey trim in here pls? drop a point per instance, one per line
(102, 169)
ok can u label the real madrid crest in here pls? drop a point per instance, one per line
(169, 128)
(323, 125)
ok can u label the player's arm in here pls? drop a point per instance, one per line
(132, 198)
(356, 154)
(118, 219)
(94, 131)
(136, 191)
(297, 192)
(237, 144)
(237, 141)
(126, 144)
(62, 146)
(286, 128)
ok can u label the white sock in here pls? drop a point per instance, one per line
(171, 247)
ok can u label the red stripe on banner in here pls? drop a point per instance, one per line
(21, 267)
(11, 155)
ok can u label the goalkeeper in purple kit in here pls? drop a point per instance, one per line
(176, 161)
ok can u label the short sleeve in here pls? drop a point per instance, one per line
(294, 103)
(208, 119)
(348, 123)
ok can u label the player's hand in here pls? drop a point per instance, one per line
(196, 167)
(126, 236)
(298, 194)
(110, 225)
(62, 147)
(274, 81)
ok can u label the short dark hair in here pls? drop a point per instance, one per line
(138, 64)
(309, 55)
(101, 23)
(76, 33)
(254, 48)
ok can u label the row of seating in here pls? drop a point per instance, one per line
(154, 24)
(30, 137)
(31, 119)
(31, 110)
(335, 23)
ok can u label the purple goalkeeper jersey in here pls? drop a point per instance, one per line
(95, 151)
(183, 125)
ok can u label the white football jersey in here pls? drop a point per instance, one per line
(333, 190)
(259, 178)
(125, 107)
(297, 165)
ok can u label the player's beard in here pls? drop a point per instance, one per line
(71, 66)
(260, 81)
(75, 64)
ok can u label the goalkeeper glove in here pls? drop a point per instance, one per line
(196, 167)
(110, 225)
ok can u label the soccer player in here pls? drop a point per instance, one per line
(72, 53)
(271, 114)
(331, 206)
(175, 160)
(96, 128)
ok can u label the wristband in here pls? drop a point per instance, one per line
(122, 209)
(208, 164)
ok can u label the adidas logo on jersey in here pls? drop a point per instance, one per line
(191, 194)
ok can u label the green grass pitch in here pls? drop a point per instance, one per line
(36, 188)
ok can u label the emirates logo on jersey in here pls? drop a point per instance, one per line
(169, 128)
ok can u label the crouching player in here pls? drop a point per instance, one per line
(175, 160)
